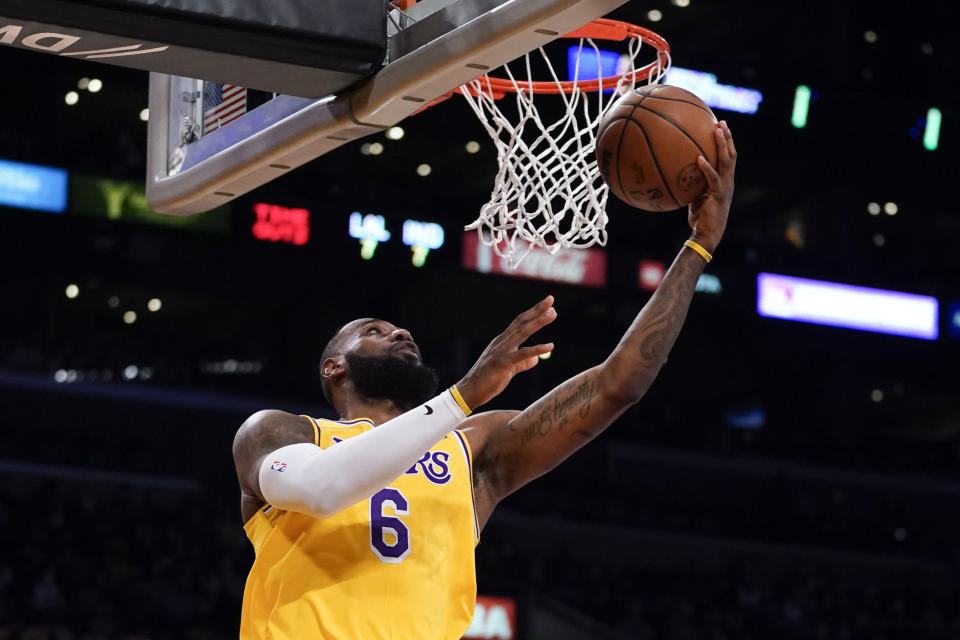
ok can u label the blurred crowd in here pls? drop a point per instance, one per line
(93, 560)
(755, 601)
(88, 560)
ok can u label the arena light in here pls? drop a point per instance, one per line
(231, 366)
(154, 304)
(144, 115)
(394, 133)
(719, 96)
(72, 291)
(708, 283)
(370, 230)
(281, 224)
(801, 106)
(931, 131)
(424, 170)
(31, 186)
(953, 319)
(126, 202)
(422, 237)
(585, 63)
(95, 85)
(585, 267)
(848, 306)
(493, 618)
(748, 418)
(71, 98)
(473, 146)
(650, 273)
(654, 15)
(129, 317)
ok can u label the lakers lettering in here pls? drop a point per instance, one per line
(434, 466)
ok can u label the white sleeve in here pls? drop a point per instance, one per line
(320, 482)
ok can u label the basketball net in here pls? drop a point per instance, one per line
(548, 191)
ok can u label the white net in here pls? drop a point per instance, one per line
(548, 191)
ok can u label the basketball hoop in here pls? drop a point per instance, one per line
(548, 191)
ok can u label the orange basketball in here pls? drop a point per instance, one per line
(648, 143)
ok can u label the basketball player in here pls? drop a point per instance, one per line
(364, 528)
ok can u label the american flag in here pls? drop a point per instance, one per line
(221, 104)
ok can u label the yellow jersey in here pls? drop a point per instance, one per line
(399, 566)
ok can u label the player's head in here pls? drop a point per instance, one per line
(374, 359)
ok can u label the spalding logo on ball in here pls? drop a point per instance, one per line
(648, 143)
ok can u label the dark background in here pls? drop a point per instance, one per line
(835, 519)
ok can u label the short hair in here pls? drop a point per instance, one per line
(332, 349)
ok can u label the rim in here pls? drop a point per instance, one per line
(600, 29)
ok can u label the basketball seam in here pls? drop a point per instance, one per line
(623, 132)
(606, 123)
(646, 138)
(692, 104)
(656, 163)
(612, 120)
(677, 125)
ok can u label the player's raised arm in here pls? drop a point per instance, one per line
(512, 449)
(277, 461)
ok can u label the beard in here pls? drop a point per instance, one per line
(406, 382)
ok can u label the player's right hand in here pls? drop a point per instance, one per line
(707, 214)
(504, 357)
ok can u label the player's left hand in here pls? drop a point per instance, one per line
(504, 357)
(708, 213)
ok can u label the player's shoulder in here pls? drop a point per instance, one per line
(478, 427)
(266, 419)
(271, 428)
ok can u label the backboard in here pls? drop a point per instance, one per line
(434, 47)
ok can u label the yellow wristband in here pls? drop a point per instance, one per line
(459, 398)
(696, 247)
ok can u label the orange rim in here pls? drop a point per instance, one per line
(600, 29)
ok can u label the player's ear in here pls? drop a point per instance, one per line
(333, 368)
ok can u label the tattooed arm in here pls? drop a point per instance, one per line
(512, 448)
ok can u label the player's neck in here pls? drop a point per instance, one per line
(378, 411)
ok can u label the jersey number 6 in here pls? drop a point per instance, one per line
(382, 526)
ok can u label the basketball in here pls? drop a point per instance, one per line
(648, 143)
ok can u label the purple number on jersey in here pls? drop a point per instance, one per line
(381, 524)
